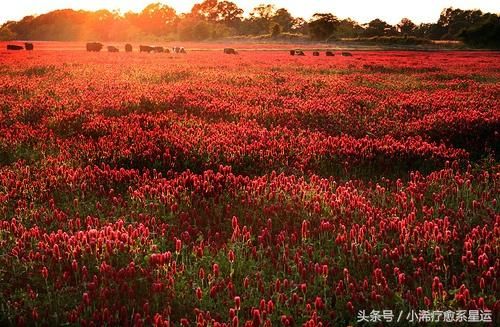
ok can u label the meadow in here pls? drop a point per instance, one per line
(255, 189)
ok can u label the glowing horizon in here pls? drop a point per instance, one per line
(426, 11)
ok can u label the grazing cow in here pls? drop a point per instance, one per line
(145, 48)
(316, 53)
(176, 49)
(28, 46)
(346, 54)
(299, 53)
(158, 49)
(292, 52)
(112, 49)
(167, 50)
(230, 51)
(14, 47)
(330, 54)
(94, 46)
(182, 50)
(128, 47)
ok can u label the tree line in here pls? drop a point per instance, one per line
(215, 19)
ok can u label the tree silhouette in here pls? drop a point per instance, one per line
(348, 28)
(322, 26)
(406, 26)
(284, 19)
(377, 27)
(453, 21)
(229, 12)
(206, 10)
(484, 34)
(156, 19)
(260, 19)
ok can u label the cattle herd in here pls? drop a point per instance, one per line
(96, 47)
(157, 49)
(298, 52)
(317, 53)
(15, 47)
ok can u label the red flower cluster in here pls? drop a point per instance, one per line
(174, 191)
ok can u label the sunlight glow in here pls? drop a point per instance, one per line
(361, 10)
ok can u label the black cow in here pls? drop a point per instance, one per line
(113, 49)
(346, 54)
(330, 54)
(158, 49)
(230, 51)
(28, 46)
(316, 53)
(145, 48)
(14, 47)
(292, 52)
(299, 53)
(182, 50)
(128, 47)
(94, 46)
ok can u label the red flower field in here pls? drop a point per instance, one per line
(255, 189)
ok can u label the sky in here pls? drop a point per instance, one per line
(363, 11)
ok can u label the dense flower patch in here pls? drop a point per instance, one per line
(257, 190)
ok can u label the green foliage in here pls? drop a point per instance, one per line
(378, 27)
(202, 31)
(6, 34)
(322, 26)
(483, 35)
(275, 30)
(406, 26)
(453, 21)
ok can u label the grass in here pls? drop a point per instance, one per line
(38, 71)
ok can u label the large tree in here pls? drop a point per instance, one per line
(377, 27)
(348, 28)
(485, 34)
(453, 21)
(58, 25)
(229, 12)
(259, 21)
(284, 19)
(216, 11)
(322, 25)
(263, 12)
(6, 34)
(205, 10)
(156, 19)
(406, 26)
